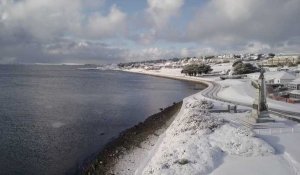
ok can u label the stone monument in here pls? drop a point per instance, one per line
(260, 112)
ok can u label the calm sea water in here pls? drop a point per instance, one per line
(53, 117)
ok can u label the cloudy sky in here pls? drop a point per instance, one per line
(112, 31)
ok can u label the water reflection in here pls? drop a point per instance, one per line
(53, 117)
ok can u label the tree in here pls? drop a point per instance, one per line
(236, 62)
(271, 55)
(203, 68)
(195, 69)
(244, 68)
(291, 64)
(280, 64)
(190, 70)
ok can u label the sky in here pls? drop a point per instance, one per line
(113, 31)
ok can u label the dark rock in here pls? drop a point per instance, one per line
(182, 161)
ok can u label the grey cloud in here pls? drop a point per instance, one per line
(231, 22)
(61, 51)
(156, 22)
(60, 31)
(161, 11)
(45, 19)
(34, 30)
(85, 52)
(99, 26)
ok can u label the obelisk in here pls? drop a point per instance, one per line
(260, 112)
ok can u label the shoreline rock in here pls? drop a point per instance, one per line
(128, 140)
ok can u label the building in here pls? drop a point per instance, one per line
(294, 85)
(284, 59)
(295, 94)
(276, 77)
(280, 77)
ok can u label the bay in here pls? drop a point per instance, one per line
(53, 117)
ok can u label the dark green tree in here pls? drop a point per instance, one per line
(244, 68)
(271, 55)
(195, 69)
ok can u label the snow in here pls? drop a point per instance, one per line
(221, 67)
(237, 90)
(280, 75)
(196, 142)
(287, 144)
(296, 81)
(163, 71)
(283, 136)
(200, 142)
(240, 141)
(234, 165)
(241, 91)
(295, 92)
(269, 75)
(131, 161)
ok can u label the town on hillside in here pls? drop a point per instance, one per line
(282, 70)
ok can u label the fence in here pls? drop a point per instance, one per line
(277, 131)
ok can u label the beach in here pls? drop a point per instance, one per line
(131, 140)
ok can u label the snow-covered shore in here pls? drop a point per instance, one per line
(200, 142)
(197, 142)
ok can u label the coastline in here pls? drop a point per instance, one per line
(130, 139)
(219, 149)
(148, 155)
(181, 78)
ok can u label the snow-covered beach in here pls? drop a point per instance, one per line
(202, 140)
(124, 153)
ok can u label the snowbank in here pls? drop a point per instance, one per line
(237, 90)
(240, 141)
(197, 142)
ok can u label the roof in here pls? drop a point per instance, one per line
(270, 75)
(279, 75)
(297, 92)
(296, 81)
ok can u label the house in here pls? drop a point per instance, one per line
(276, 77)
(280, 77)
(295, 94)
(284, 59)
(294, 85)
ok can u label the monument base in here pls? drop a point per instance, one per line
(261, 117)
(264, 120)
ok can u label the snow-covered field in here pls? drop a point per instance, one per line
(241, 90)
(201, 142)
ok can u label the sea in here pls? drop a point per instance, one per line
(54, 118)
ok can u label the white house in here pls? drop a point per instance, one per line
(295, 94)
(294, 85)
(276, 77)
(280, 77)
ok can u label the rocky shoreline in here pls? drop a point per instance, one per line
(129, 140)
